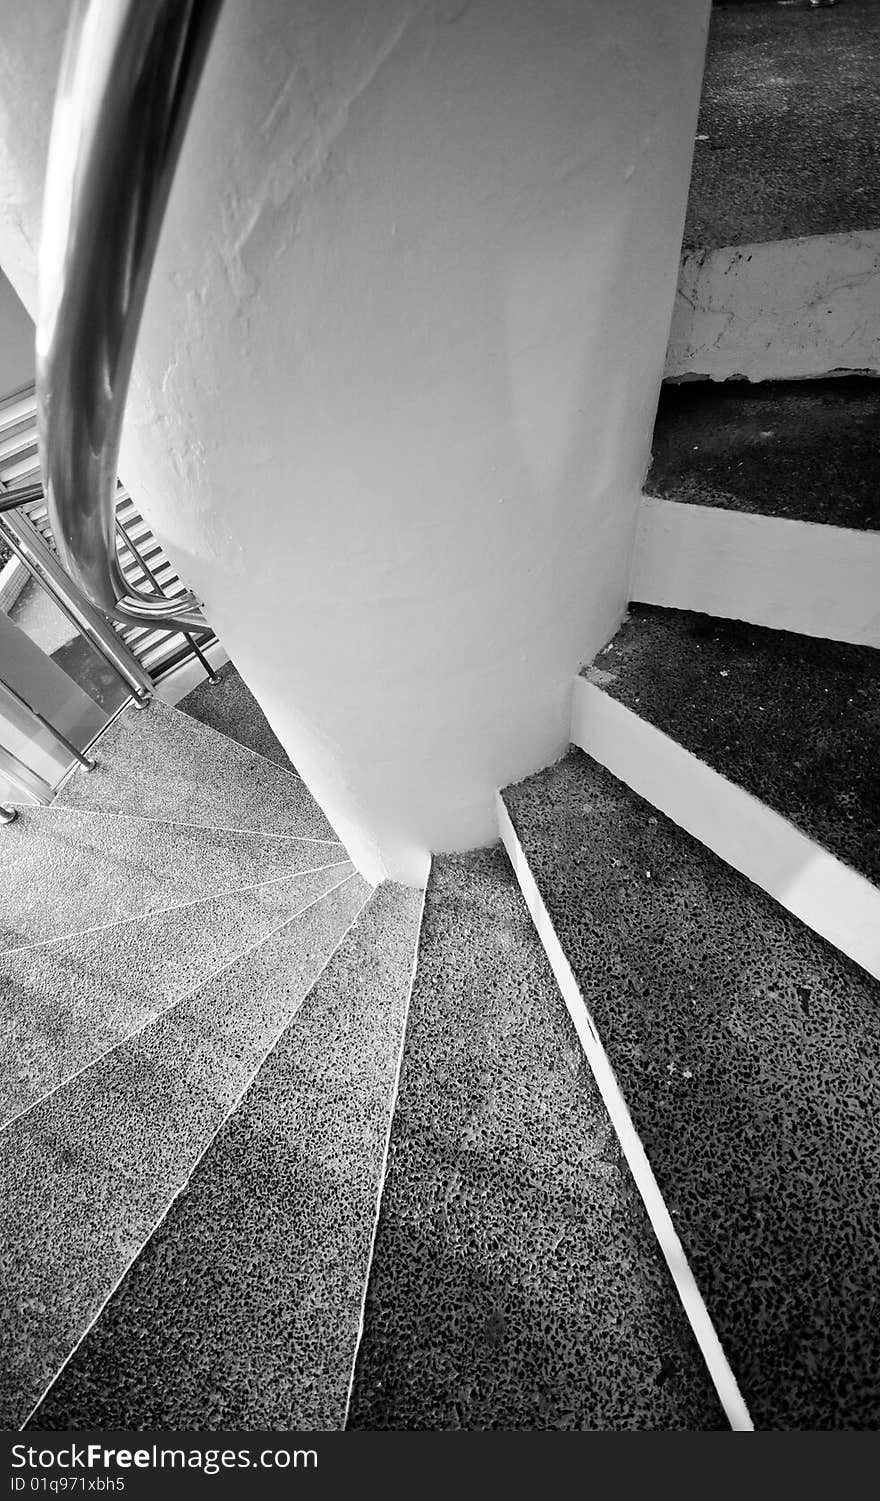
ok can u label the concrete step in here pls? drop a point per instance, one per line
(780, 275)
(738, 1056)
(806, 451)
(67, 869)
(763, 744)
(787, 130)
(515, 1282)
(243, 1309)
(160, 763)
(66, 1002)
(230, 707)
(91, 1171)
(762, 504)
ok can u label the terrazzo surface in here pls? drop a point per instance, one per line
(230, 707)
(65, 869)
(515, 1282)
(786, 140)
(242, 1311)
(65, 1003)
(747, 1050)
(792, 719)
(88, 1173)
(157, 762)
(804, 450)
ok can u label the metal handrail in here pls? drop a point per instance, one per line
(10, 500)
(19, 532)
(128, 80)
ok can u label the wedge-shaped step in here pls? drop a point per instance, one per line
(762, 505)
(515, 1283)
(243, 1309)
(89, 1173)
(747, 1054)
(802, 451)
(780, 276)
(64, 1004)
(65, 869)
(762, 744)
(230, 707)
(162, 764)
(786, 138)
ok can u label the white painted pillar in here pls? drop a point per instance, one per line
(393, 398)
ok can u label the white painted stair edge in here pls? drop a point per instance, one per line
(817, 888)
(781, 310)
(798, 576)
(699, 1318)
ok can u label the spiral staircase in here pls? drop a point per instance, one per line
(584, 1136)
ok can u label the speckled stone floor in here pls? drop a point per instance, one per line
(805, 450)
(162, 922)
(66, 1002)
(65, 869)
(159, 763)
(86, 1174)
(748, 1051)
(516, 1283)
(790, 105)
(229, 706)
(792, 719)
(242, 1311)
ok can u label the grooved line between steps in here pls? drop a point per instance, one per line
(698, 1316)
(210, 896)
(172, 709)
(383, 1170)
(172, 823)
(205, 980)
(207, 1147)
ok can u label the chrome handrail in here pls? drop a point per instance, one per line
(128, 80)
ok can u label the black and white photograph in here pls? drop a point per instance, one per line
(439, 734)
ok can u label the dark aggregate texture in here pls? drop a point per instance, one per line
(793, 719)
(230, 707)
(516, 1283)
(748, 1051)
(803, 450)
(790, 111)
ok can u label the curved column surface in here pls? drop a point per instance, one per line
(393, 397)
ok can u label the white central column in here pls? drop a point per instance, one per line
(394, 393)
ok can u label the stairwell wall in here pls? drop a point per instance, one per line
(16, 342)
(395, 387)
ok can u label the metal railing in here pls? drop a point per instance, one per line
(52, 730)
(128, 80)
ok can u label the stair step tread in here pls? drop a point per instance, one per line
(165, 764)
(65, 1003)
(515, 1282)
(747, 1051)
(230, 707)
(789, 108)
(792, 719)
(66, 869)
(89, 1173)
(803, 450)
(242, 1311)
